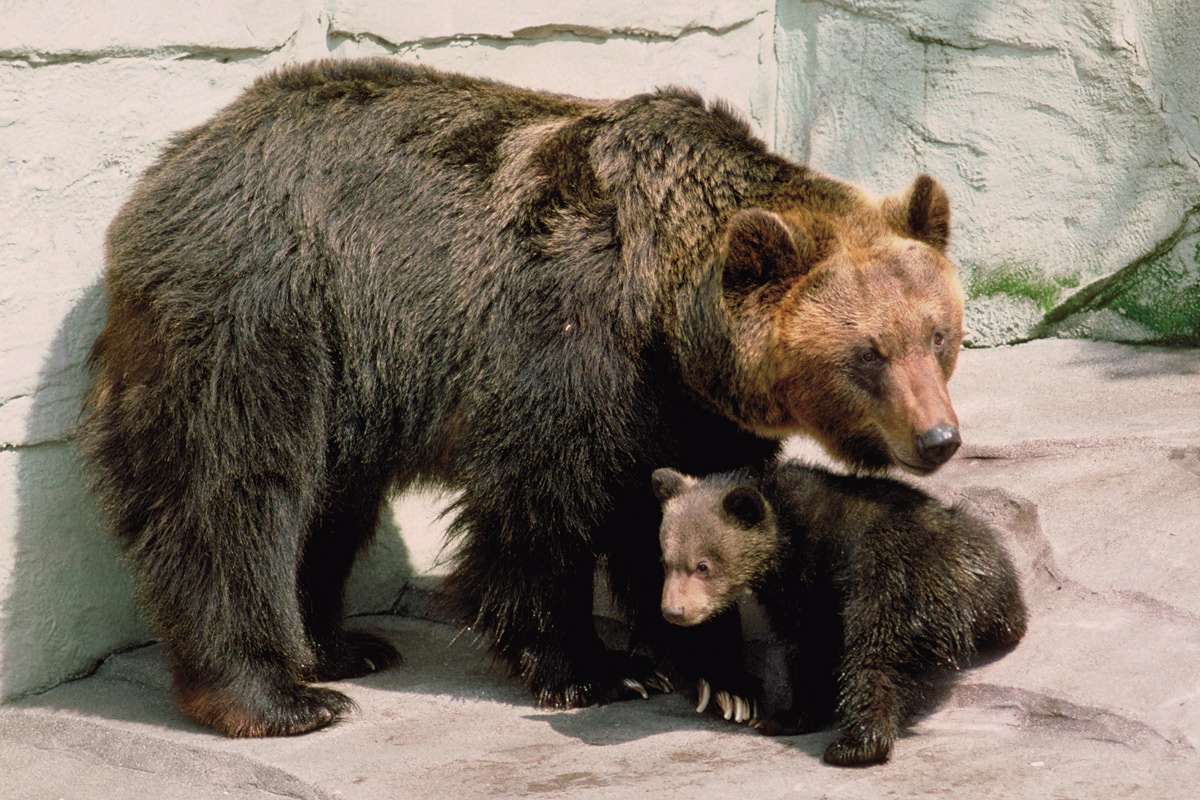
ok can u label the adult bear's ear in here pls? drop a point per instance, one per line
(760, 249)
(921, 213)
(667, 483)
(745, 505)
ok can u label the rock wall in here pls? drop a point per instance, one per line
(1067, 133)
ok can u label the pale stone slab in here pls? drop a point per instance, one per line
(42, 30)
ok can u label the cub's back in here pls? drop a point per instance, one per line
(880, 518)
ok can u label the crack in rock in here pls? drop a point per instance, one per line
(926, 39)
(176, 52)
(1045, 713)
(537, 34)
(1054, 448)
(1102, 292)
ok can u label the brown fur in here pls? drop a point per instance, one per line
(870, 584)
(860, 289)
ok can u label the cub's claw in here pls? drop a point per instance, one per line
(656, 682)
(353, 654)
(616, 676)
(735, 708)
(660, 683)
(724, 702)
(633, 684)
(648, 681)
(705, 694)
(747, 710)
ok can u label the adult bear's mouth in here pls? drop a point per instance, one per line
(916, 469)
(864, 451)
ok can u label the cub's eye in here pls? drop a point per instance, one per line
(702, 568)
(939, 340)
(870, 356)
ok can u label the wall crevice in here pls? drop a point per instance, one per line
(536, 34)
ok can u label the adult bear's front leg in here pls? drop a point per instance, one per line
(527, 587)
(580, 676)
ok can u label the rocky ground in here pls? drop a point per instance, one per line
(1085, 455)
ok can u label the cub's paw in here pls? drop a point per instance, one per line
(852, 751)
(355, 654)
(734, 707)
(254, 708)
(620, 677)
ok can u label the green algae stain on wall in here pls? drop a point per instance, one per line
(1018, 279)
(1153, 299)
(1165, 296)
(1006, 302)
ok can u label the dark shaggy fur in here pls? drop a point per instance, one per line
(361, 275)
(870, 583)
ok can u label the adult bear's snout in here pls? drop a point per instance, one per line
(936, 445)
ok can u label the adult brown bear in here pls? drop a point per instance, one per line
(361, 275)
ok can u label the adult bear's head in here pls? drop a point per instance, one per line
(847, 321)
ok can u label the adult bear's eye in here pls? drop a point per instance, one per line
(870, 356)
(939, 340)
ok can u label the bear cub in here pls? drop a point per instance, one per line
(869, 583)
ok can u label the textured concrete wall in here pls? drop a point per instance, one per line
(89, 92)
(1067, 133)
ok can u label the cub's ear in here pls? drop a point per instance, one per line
(745, 505)
(759, 249)
(667, 483)
(921, 213)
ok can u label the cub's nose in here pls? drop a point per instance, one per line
(673, 614)
(936, 445)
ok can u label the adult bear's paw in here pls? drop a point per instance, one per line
(255, 708)
(871, 747)
(614, 676)
(356, 653)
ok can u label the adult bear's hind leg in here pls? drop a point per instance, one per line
(228, 611)
(211, 494)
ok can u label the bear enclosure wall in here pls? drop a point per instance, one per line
(1068, 135)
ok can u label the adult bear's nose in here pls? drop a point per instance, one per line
(936, 445)
(673, 613)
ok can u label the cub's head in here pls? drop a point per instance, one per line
(718, 539)
(848, 321)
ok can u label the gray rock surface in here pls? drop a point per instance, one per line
(1065, 134)
(1085, 455)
